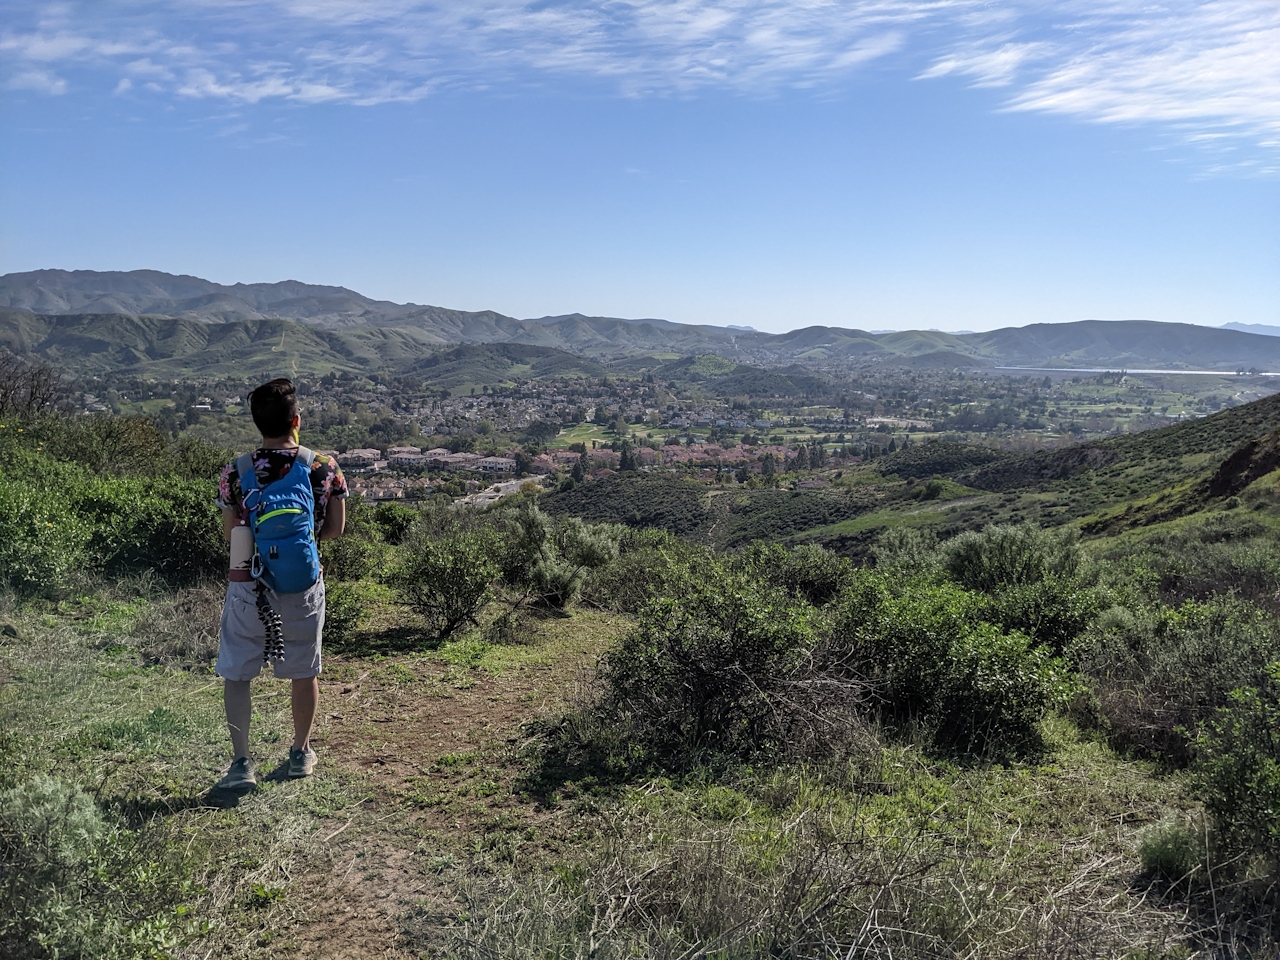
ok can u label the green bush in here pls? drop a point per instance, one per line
(646, 566)
(808, 572)
(703, 672)
(1157, 674)
(1170, 852)
(574, 549)
(347, 606)
(933, 661)
(908, 552)
(1237, 770)
(996, 689)
(162, 524)
(394, 521)
(44, 543)
(447, 580)
(74, 886)
(1053, 611)
(61, 520)
(549, 558)
(1004, 555)
(48, 835)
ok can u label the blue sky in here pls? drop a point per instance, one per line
(869, 163)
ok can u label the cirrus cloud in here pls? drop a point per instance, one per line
(1206, 72)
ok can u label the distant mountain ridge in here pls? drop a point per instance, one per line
(84, 317)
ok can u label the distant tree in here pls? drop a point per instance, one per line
(769, 465)
(542, 431)
(628, 460)
(28, 386)
(801, 460)
(524, 463)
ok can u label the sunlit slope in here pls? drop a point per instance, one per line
(1119, 344)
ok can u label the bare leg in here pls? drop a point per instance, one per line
(305, 697)
(239, 706)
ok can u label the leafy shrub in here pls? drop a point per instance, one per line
(346, 609)
(394, 520)
(162, 524)
(809, 572)
(48, 834)
(447, 580)
(1198, 571)
(996, 689)
(647, 564)
(1237, 769)
(907, 551)
(1053, 611)
(349, 557)
(933, 661)
(1004, 555)
(44, 543)
(704, 671)
(574, 548)
(1158, 674)
(550, 559)
(74, 886)
(1170, 852)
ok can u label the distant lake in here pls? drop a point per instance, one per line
(1193, 373)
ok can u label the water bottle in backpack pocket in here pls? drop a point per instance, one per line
(282, 515)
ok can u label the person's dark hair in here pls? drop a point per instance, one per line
(274, 405)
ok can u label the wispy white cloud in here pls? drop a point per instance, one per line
(1208, 72)
(39, 80)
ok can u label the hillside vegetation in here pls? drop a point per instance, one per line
(25, 297)
(544, 736)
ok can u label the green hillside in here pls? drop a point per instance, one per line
(1121, 344)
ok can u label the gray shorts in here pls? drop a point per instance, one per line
(242, 638)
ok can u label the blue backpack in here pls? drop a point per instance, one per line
(282, 516)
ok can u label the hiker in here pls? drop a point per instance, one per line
(289, 497)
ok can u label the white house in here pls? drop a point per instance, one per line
(497, 465)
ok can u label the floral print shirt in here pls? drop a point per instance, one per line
(270, 465)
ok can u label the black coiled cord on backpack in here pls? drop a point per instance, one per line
(274, 649)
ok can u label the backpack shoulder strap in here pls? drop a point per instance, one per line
(244, 469)
(306, 456)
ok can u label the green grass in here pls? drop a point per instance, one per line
(423, 754)
(582, 433)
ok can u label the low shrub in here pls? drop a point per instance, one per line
(347, 606)
(1237, 770)
(394, 521)
(44, 544)
(1159, 673)
(1170, 852)
(1005, 555)
(646, 566)
(48, 834)
(808, 572)
(933, 661)
(705, 671)
(1052, 611)
(907, 552)
(72, 885)
(447, 580)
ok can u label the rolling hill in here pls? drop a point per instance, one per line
(368, 330)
